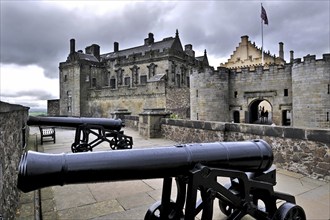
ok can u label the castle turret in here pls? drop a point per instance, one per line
(310, 92)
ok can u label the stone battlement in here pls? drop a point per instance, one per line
(312, 59)
(301, 150)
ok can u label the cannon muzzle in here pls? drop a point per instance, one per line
(38, 170)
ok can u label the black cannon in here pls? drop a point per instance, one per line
(103, 129)
(196, 167)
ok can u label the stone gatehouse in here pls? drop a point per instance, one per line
(243, 91)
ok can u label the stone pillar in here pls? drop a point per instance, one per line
(150, 122)
(120, 113)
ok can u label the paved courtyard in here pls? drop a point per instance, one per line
(131, 199)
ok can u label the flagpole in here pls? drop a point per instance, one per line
(262, 41)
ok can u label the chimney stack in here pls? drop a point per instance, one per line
(94, 49)
(281, 52)
(149, 40)
(115, 47)
(291, 56)
(72, 46)
(189, 50)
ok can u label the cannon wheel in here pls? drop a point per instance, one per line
(225, 208)
(74, 148)
(80, 147)
(123, 144)
(289, 211)
(153, 212)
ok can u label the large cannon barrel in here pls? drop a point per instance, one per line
(106, 123)
(38, 170)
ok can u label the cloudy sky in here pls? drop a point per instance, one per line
(35, 34)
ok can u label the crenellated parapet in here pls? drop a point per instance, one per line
(309, 59)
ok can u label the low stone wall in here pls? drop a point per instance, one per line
(13, 139)
(132, 121)
(305, 151)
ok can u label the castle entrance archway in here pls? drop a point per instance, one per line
(260, 112)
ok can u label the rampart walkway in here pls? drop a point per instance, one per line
(131, 199)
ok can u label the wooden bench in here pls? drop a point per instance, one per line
(47, 134)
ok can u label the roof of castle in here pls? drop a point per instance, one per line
(243, 57)
(166, 43)
(89, 57)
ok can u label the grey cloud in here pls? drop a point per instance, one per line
(35, 94)
(35, 33)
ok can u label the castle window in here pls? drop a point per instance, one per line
(93, 82)
(143, 79)
(328, 88)
(152, 70)
(250, 58)
(183, 74)
(178, 82)
(127, 81)
(327, 116)
(196, 93)
(120, 76)
(235, 94)
(173, 71)
(106, 78)
(188, 82)
(135, 74)
(69, 100)
(112, 83)
(286, 92)
(65, 78)
(87, 78)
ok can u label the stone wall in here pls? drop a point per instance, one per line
(53, 107)
(13, 138)
(178, 101)
(104, 101)
(132, 121)
(311, 92)
(305, 151)
(209, 95)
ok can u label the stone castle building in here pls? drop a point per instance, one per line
(164, 75)
(153, 75)
(297, 92)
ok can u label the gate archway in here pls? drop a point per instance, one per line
(260, 112)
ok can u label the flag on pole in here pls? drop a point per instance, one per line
(264, 15)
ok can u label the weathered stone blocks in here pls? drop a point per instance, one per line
(294, 149)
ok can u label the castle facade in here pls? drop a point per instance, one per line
(153, 75)
(164, 75)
